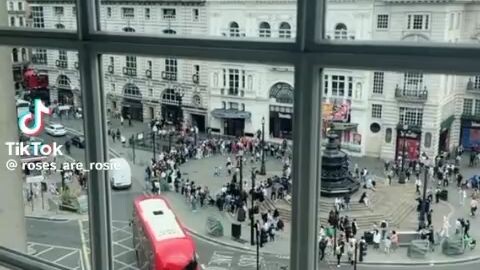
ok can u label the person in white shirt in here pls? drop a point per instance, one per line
(463, 195)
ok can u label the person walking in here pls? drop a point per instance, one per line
(418, 184)
(321, 246)
(473, 206)
(354, 227)
(339, 251)
(462, 196)
(121, 120)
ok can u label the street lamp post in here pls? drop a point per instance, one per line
(154, 131)
(424, 203)
(262, 168)
(195, 132)
(252, 240)
(403, 176)
(132, 139)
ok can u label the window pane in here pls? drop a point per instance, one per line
(393, 120)
(394, 21)
(194, 117)
(46, 198)
(43, 15)
(199, 19)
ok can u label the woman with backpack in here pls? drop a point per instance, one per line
(339, 250)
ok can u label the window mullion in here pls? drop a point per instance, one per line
(308, 33)
(306, 166)
(96, 151)
(87, 18)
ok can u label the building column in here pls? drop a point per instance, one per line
(12, 210)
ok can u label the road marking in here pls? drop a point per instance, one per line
(69, 254)
(44, 251)
(84, 247)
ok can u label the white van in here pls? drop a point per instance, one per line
(121, 174)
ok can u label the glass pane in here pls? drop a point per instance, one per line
(45, 201)
(198, 19)
(394, 21)
(42, 15)
(182, 127)
(400, 139)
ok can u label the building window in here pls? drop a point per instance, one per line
(428, 140)
(131, 62)
(128, 13)
(20, 6)
(411, 116)
(37, 16)
(10, 5)
(418, 21)
(74, 11)
(234, 29)
(233, 81)
(264, 30)
(382, 21)
(233, 105)
(350, 86)
(15, 55)
(63, 82)
(20, 21)
(12, 21)
(62, 55)
(112, 61)
(196, 71)
(109, 12)
(325, 85)
(388, 135)
(224, 77)
(376, 111)
(149, 65)
(285, 31)
(128, 29)
(224, 105)
(340, 31)
(150, 92)
(196, 14)
(58, 11)
(338, 85)
(169, 13)
(476, 83)
(24, 55)
(477, 107)
(147, 13)
(60, 26)
(378, 82)
(40, 56)
(171, 68)
(131, 90)
(413, 82)
(113, 87)
(467, 106)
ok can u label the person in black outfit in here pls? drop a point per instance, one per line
(429, 218)
(459, 180)
(321, 246)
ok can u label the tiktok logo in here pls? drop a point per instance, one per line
(25, 121)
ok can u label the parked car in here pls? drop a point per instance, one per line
(56, 130)
(78, 141)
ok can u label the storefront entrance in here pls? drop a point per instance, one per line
(408, 145)
(443, 143)
(281, 125)
(470, 134)
(199, 121)
(65, 96)
(234, 127)
(132, 108)
(171, 113)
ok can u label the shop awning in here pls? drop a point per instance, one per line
(224, 113)
(343, 126)
(447, 123)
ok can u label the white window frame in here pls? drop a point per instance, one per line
(38, 17)
(411, 116)
(128, 12)
(467, 107)
(169, 13)
(309, 54)
(195, 14)
(147, 14)
(377, 111)
(412, 22)
(59, 10)
(171, 68)
(109, 12)
(264, 30)
(386, 23)
(378, 82)
(336, 85)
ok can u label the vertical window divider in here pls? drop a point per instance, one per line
(306, 166)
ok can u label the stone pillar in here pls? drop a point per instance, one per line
(12, 216)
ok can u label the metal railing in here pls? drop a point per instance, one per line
(16, 260)
(417, 94)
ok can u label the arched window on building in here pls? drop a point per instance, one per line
(24, 54)
(282, 93)
(234, 29)
(169, 96)
(388, 135)
(15, 55)
(63, 82)
(340, 31)
(12, 21)
(285, 31)
(131, 90)
(428, 140)
(128, 29)
(264, 30)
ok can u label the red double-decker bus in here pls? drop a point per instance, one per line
(160, 241)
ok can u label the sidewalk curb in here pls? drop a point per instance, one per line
(58, 219)
(429, 263)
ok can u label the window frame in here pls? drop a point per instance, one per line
(387, 27)
(309, 53)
